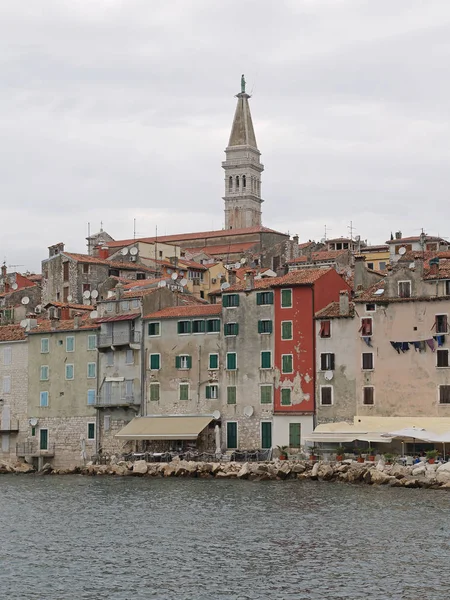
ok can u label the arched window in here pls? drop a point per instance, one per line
(237, 183)
(230, 184)
(244, 182)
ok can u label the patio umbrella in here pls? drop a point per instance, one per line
(218, 444)
(443, 438)
(410, 433)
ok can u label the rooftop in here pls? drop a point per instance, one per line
(12, 333)
(204, 310)
(300, 277)
(333, 311)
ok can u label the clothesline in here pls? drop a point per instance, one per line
(419, 345)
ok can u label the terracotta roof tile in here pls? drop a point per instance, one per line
(87, 258)
(318, 256)
(12, 333)
(47, 326)
(86, 307)
(333, 311)
(300, 277)
(186, 311)
(223, 249)
(125, 317)
(416, 238)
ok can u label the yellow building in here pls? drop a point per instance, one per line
(377, 257)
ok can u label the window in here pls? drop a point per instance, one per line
(368, 395)
(184, 361)
(265, 392)
(7, 355)
(66, 271)
(86, 288)
(109, 307)
(367, 361)
(109, 358)
(43, 399)
(366, 327)
(371, 307)
(213, 362)
(43, 439)
(155, 362)
(231, 394)
(382, 265)
(135, 303)
(265, 326)
(326, 395)
(213, 325)
(232, 435)
(184, 391)
(70, 343)
(285, 396)
(294, 435)
(442, 358)
(92, 342)
(407, 247)
(286, 330)
(154, 329)
(92, 370)
(184, 327)
(129, 391)
(266, 434)
(129, 357)
(85, 268)
(198, 326)
(266, 360)
(44, 345)
(212, 392)
(444, 394)
(404, 289)
(44, 373)
(327, 361)
(91, 431)
(370, 265)
(154, 392)
(231, 328)
(325, 329)
(231, 361)
(286, 363)
(91, 394)
(69, 372)
(440, 324)
(7, 384)
(230, 300)
(286, 298)
(263, 298)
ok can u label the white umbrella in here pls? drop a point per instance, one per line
(218, 443)
(443, 438)
(410, 433)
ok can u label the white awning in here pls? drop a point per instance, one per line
(165, 428)
(115, 379)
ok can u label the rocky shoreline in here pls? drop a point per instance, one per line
(422, 475)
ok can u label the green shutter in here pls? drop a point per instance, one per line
(231, 394)
(286, 298)
(266, 394)
(294, 435)
(213, 361)
(225, 301)
(259, 298)
(269, 326)
(231, 361)
(286, 397)
(286, 330)
(43, 439)
(154, 392)
(184, 391)
(189, 362)
(232, 435)
(236, 328)
(154, 362)
(177, 362)
(270, 301)
(287, 363)
(208, 392)
(265, 360)
(235, 299)
(266, 434)
(260, 326)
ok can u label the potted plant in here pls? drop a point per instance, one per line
(312, 453)
(389, 458)
(431, 456)
(340, 453)
(359, 458)
(371, 454)
(283, 452)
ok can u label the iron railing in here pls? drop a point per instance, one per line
(33, 449)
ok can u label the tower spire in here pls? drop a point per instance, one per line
(242, 169)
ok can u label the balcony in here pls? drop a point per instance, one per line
(118, 400)
(32, 449)
(121, 338)
(13, 426)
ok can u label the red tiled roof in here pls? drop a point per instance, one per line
(179, 237)
(47, 326)
(300, 277)
(12, 333)
(379, 248)
(416, 238)
(223, 249)
(87, 307)
(320, 255)
(443, 272)
(333, 311)
(305, 245)
(127, 317)
(204, 310)
(87, 258)
(138, 293)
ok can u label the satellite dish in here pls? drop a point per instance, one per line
(402, 251)
(224, 286)
(124, 251)
(70, 298)
(33, 421)
(86, 294)
(14, 286)
(181, 273)
(183, 282)
(243, 260)
(94, 314)
(133, 251)
(162, 283)
(25, 300)
(237, 265)
(216, 414)
(328, 375)
(174, 276)
(38, 309)
(94, 294)
(23, 323)
(248, 411)
(110, 294)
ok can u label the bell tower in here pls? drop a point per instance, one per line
(242, 169)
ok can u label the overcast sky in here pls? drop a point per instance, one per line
(112, 110)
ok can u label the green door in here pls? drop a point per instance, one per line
(43, 439)
(294, 435)
(266, 434)
(232, 435)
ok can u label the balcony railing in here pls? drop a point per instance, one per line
(12, 427)
(33, 449)
(117, 400)
(121, 338)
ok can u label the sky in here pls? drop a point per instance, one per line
(120, 110)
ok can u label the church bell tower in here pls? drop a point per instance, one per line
(242, 169)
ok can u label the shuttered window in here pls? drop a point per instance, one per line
(368, 395)
(286, 298)
(213, 361)
(263, 298)
(327, 361)
(184, 327)
(91, 394)
(155, 362)
(444, 394)
(326, 395)
(184, 361)
(213, 325)
(266, 394)
(231, 361)
(294, 435)
(184, 391)
(266, 360)
(198, 326)
(231, 328)
(286, 363)
(325, 329)
(265, 326)
(286, 397)
(367, 361)
(230, 300)
(442, 358)
(286, 330)
(154, 392)
(231, 394)
(212, 392)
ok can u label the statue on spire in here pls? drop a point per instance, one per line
(242, 84)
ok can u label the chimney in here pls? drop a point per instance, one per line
(231, 277)
(360, 273)
(30, 323)
(4, 272)
(76, 321)
(249, 280)
(295, 238)
(55, 249)
(65, 313)
(398, 235)
(418, 265)
(119, 291)
(344, 303)
(103, 253)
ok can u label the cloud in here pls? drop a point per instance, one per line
(114, 110)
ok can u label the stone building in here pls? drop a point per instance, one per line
(62, 391)
(13, 389)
